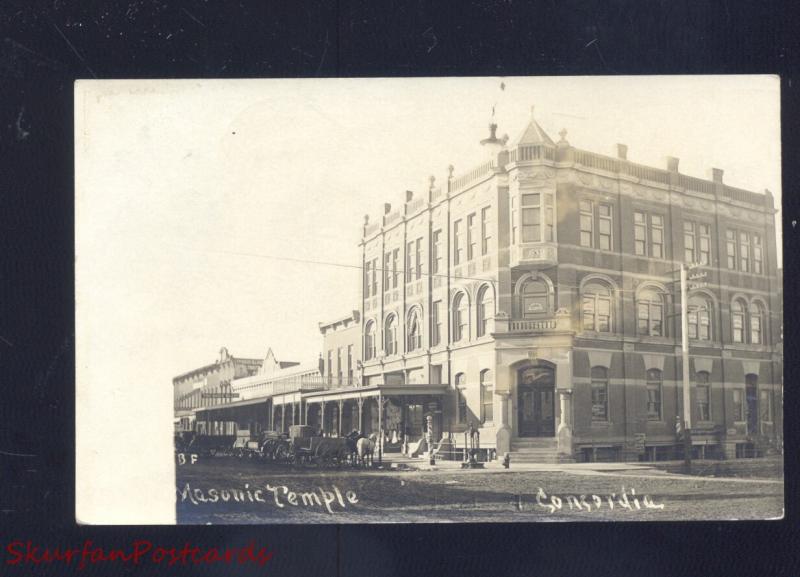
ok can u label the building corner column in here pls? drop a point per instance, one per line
(503, 438)
(564, 433)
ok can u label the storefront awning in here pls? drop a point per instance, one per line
(235, 405)
(374, 391)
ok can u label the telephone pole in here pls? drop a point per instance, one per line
(693, 274)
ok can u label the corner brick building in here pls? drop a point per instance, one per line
(536, 296)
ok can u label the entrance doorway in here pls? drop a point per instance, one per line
(536, 402)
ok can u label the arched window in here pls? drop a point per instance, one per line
(487, 402)
(699, 318)
(597, 307)
(460, 318)
(703, 395)
(756, 324)
(650, 313)
(653, 395)
(599, 394)
(738, 310)
(461, 400)
(414, 340)
(369, 341)
(534, 298)
(390, 335)
(485, 309)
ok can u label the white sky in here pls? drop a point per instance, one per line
(178, 181)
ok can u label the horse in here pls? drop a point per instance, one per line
(366, 448)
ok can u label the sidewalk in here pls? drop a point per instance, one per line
(400, 462)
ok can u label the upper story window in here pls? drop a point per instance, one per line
(414, 340)
(387, 270)
(535, 297)
(436, 323)
(458, 249)
(699, 317)
(460, 318)
(419, 258)
(757, 254)
(738, 309)
(537, 217)
(395, 269)
(369, 341)
(409, 260)
(367, 267)
(596, 307)
(587, 223)
(697, 242)
(602, 214)
(436, 252)
(471, 240)
(756, 324)
(650, 313)
(486, 233)
(648, 234)
(485, 309)
(390, 335)
(745, 251)
(374, 276)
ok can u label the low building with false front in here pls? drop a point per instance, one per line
(535, 297)
(208, 385)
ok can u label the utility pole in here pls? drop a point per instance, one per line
(695, 276)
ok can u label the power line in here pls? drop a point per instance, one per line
(381, 270)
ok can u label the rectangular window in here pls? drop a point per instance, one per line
(605, 224)
(765, 406)
(486, 234)
(366, 279)
(339, 366)
(599, 397)
(436, 323)
(471, 241)
(738, 405)
(387, 263)
(757, 254)
(457, 248)
(487, 402)
(703, 405)
(419, 259)
(653, 402)
(704, 243)
(409, 261)
(657, 236)
(374, 276)
(744, 252)
(730, 245)
(350, 363)
(395, 269)
(436, 257)
(640, 233)
(531, 217)
(688, 242)
(587, 223)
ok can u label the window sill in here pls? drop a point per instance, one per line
(601, 424)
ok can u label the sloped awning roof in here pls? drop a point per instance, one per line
(234, 405)
(346, 393)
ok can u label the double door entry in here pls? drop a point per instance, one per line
(536, 402)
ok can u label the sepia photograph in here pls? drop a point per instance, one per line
(471, 300)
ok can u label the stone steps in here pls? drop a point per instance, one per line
(534, 450)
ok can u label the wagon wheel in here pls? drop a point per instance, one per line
(282, 453)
